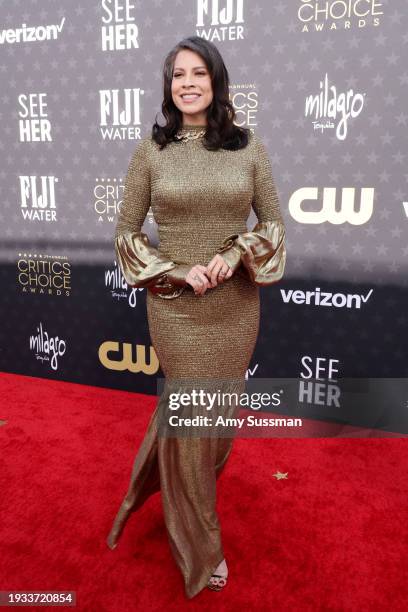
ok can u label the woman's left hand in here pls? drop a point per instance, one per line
(218, 270)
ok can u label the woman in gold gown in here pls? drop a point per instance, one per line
(203, 286)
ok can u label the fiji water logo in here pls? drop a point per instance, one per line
(120, 114)
(37, 197)
(220, 21)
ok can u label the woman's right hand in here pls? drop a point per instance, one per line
(198, 280)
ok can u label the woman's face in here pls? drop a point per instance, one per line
(190, 75)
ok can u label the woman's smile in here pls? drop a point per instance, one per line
(189, 98)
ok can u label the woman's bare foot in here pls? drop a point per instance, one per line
(222, 569)
(219, 576)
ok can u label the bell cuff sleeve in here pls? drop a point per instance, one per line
(141, 264)
(259, 255)
(261, 252)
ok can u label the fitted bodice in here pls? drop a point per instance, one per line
(198, 196)
(201, 201)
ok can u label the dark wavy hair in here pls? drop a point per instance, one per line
(221, 130)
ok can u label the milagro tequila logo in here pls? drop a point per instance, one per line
(47, 348)
(108, 195)
(39, 274)
(31, 33)
(119, 289)
(37, 197)
(120, 113)
(218, 21)
(316, 15)
(118, 30)
(328, 212)
(327, 106)
(33, 125)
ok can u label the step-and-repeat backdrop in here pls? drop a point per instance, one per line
(324, 83)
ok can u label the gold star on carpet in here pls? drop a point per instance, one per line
(280, 475)
(2, 422)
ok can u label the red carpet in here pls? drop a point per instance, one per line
(331, 536)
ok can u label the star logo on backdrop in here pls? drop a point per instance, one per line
(279, 475)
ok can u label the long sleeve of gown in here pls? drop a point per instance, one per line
(260, 254)
(141, 264)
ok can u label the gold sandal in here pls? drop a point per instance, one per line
(217, 582)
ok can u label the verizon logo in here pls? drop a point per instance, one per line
(31, 34)
(325, 298)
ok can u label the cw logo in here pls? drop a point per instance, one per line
(328, 212)
(114, 357)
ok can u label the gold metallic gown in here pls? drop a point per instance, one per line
(201, 201)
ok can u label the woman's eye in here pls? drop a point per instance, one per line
(199, 73)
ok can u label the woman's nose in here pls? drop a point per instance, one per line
(188, 80)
